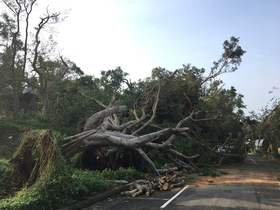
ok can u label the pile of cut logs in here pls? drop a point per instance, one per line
(171, 178)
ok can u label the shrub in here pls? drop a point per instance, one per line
(64, 187)
(121, 173)
(5, 173)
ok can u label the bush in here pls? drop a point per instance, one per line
(62, 188)
(207, 171)
(121, 173)
(5, 172)
(65, 187)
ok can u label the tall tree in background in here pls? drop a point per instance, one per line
(26, 60)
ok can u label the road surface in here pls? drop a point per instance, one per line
(252, 185)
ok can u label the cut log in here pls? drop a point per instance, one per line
(174, 179)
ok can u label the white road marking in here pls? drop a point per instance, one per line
(175, 196)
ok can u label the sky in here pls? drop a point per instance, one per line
(139, 35)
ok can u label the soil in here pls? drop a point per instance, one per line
(254, 170)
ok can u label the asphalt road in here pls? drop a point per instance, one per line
(252, 185)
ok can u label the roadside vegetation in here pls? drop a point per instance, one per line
(50, 182)
(263, 131)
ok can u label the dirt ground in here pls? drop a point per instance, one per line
(254, 170)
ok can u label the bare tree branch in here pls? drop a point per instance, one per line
(43, 22)
(136, 122)
(155, 105)
(10, 7)
(148, 160)
(97, 119)
(28, 9)
(95, 99)
(214, 74)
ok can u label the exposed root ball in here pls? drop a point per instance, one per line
(36, 159)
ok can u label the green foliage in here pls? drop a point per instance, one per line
(189, 179)
(209, 171)
(226, 132)
(180, 92)
(48, 182)
(122, 174)
(5, 173)
(72, 107)
(11, 131)
(22, 124)
(268, 129)
(62, 188)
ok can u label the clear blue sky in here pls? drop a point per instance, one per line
(141, 34)
(181, 31)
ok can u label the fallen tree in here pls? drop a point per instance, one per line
(104, 134)
(107, 132)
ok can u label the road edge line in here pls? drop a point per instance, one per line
(175, 196)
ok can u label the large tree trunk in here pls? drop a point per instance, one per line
(104, 136)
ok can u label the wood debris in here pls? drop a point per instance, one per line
(171, 179)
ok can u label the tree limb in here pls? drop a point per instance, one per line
(97, 119)
(148, 160)
(155, 105)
